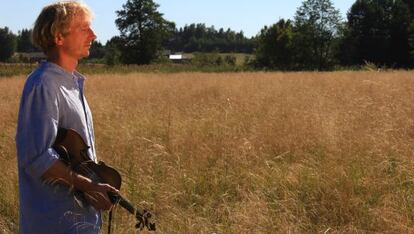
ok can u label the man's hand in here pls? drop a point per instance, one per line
(98, 196)
(96, 193)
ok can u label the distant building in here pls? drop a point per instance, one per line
(176, 56)
(31, 57)
(180, 58)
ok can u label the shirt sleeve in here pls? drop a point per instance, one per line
(37, 129)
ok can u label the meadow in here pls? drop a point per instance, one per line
(257, 152)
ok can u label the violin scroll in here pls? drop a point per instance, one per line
(143, 220)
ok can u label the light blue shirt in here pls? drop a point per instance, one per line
(52, 98)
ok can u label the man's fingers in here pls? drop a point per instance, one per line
(97, 195)
(99, 200)
(92, 201)
(109, 188)
(104, 201)
(104, 188)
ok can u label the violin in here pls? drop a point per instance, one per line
(73, 151)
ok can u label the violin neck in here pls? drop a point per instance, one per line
(117, 198)
(127, 205)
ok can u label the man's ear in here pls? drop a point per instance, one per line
(59, 39)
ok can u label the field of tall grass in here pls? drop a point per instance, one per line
(248, 152)
(205, 63)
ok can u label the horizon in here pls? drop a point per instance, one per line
(181, 12)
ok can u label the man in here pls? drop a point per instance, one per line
(53, 98)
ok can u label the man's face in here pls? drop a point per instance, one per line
(77, 42)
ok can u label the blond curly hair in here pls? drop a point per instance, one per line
(56, 18)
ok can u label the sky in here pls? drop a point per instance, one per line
(248, 16)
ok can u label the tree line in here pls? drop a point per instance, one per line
(317, 38)
(10, 43)
(376, 31)
(199, 38)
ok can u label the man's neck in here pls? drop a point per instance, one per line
(67, 63)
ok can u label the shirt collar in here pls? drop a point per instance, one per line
(72, 75)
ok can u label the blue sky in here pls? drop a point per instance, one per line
(248, 16)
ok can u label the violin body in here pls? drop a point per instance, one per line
(73, 151)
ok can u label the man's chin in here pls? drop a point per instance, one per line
(85, 55)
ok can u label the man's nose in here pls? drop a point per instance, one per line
(92, 34)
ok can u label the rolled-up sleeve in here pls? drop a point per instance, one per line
(37, 129)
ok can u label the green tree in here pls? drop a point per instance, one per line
(144, 31)
(410, 4)
(345, 48)
(274, 48)
(411, 41)
(378, 32)
(400, 19)
(316, 26)
(199, 38)
(8, 44)
(97, 50)
(24, 41)
(366, 32)
(113, 49)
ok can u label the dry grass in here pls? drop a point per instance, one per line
(249, 152)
